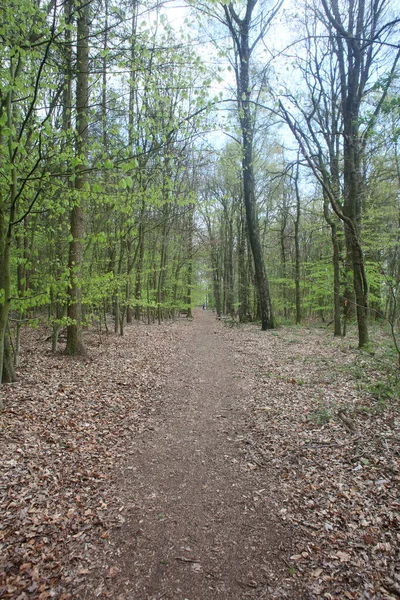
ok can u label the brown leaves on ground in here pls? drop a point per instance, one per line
(334, 451)
(66, 431)
(66, 427)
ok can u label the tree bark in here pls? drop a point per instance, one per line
(138, 282)
(282, 240)
(228, 259)
(7, 218)
(189, 275)
(243, 274)
(240, 32)
(297, 250)
(75, 343)
(352, 46)
(336, 269)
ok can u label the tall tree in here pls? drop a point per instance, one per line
(297, 245)
(77, 220)
(28, 34)
(356, 37)
(244, 43)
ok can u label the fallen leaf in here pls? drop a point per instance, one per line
(343, 556)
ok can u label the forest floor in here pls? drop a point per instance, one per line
(197, 461)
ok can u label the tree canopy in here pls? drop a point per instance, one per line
(243, 154)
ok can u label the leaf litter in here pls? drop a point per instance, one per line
(66, 426)
(334, 451)
(68, 423)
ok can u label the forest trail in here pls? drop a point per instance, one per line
(191, 460)
(200, 524)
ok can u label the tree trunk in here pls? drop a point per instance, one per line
(264, 298)
(189, 276)
(240, 32)
(354, 61)
(352, 211)
(5, 286)
(58, 307)
(283, 256)
(228, 260)
(6, 239)
(243, 274)
(138, 283)
(129, 281)
(8, 375)
(163, 263)
(214, 255)
(131, 139)
(77, 226)
(297, 252)
(336, 268)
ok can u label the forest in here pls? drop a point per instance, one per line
(242, 154)
(199, 299)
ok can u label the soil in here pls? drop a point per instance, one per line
(201, 520)
(198, 460)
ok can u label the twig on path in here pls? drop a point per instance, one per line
(306, 524)
(349, 424)
(188, 560)
(245, 584)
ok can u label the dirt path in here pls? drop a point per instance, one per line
(200, 518)
(194, 461)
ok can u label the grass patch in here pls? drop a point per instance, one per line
(320, 416)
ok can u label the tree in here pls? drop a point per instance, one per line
(297, 244)
(240, 29)
(28, 35)
(77, 220)
(353, 39)
(246, 30)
